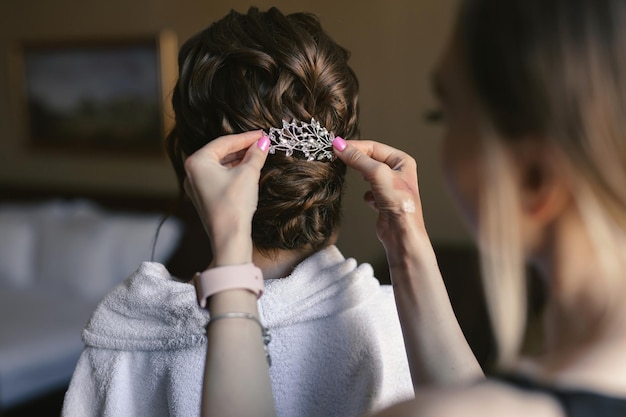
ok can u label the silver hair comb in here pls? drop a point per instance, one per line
(312, 139)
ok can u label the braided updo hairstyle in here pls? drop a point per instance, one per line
(251, 71)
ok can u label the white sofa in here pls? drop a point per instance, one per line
(57, 260)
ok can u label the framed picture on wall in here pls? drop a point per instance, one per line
(97, 95)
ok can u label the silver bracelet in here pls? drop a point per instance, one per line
(265, 332)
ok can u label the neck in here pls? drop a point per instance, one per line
(279, 263)
(581, 313)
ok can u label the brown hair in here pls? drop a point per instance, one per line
(251, 71)
(554, 70)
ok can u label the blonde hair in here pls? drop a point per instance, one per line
(552, 70)
(501, 254)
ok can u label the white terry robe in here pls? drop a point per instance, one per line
(336, 348)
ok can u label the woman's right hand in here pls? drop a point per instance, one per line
(437, 350)
(223, 184)
(394, 194)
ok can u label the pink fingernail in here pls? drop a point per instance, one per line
(264, 143)
(339, 143)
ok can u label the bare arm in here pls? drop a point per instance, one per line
(437, 350)
(236, 377)
(222, 181)
(436, 347)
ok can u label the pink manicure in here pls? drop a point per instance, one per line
(339, 143)
(264, 143)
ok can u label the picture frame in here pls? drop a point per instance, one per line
(97, 95)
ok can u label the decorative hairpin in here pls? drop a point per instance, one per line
(312, 139)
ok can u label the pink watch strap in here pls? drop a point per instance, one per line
(229, 277)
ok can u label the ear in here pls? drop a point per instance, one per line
(544, 190)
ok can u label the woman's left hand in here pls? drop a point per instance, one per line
(223, 184)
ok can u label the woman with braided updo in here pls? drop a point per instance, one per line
(250, 72)
(336, 344)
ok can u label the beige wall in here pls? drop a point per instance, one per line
(394, 46)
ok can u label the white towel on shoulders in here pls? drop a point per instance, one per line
(336, 339)
(336, 347)
(144, 351)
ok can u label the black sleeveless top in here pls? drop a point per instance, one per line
(575, 402)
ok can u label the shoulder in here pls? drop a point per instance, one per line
(485, 399)
(153, 276)
(382, 300)
(151, 281)
(149, 310)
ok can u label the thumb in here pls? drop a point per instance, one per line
(355, 158)
(257, 153)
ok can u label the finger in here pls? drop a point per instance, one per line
(221, 148)
(392, 157)
(369, 199)
(187, 186)
(233, 159)
(257, 153)
(189, 189)
(355, 158)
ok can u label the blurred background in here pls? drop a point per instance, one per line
(394, 47)
(394, 44)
